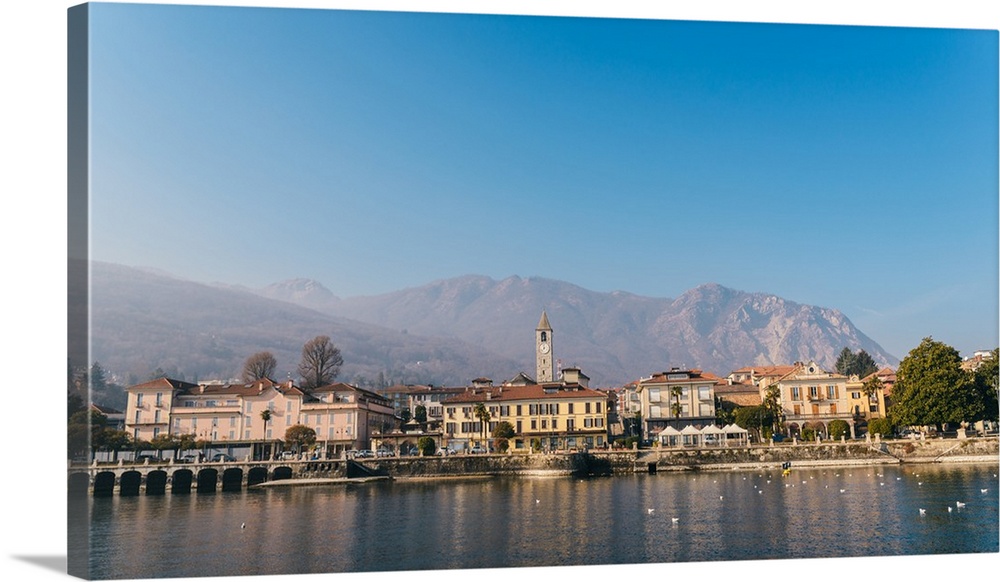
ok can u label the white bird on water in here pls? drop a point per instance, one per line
(922, 511)
(538, 501)
(949, 509)
(959, 504)
(650, 511)
(243, 525)
(675, 519)
(983, 490)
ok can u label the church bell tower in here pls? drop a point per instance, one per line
(543, 350)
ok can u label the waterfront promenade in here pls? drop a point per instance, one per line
(159, 479)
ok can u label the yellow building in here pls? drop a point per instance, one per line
(556, 415)
(812, 398)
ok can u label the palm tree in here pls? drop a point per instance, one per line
(484, 418)
(676, 392)
(265, 415)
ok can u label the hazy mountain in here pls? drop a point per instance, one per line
(143, 321)
(616, 337)
(451, 331)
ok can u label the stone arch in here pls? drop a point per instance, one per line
(256, 476)
(232, 479)
(156, 482)
(208, 480)
(794, 430)
(281, 473)
(180, 481)
(104, 484)
(129, 483)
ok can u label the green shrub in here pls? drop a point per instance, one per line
(808, 434)
(880, 426)
(427, 446)
(839, 428)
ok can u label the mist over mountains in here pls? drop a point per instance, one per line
(614, 337)
(450, 331)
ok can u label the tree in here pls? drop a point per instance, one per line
(932, 389)
(259, 366)
(844, 361)
(321, 361)
(675, 408)
(772, 404)
(753, 417)
(985, 379)
(483, 415)
(299, 436)
(860, 364)
(501, 435)
(420, 413)
(265, 415)
(404, 416)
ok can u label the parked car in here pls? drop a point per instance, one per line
(477, 450)
(147, 457)
(222, 458)
(288, 456)
(364, 454)
(385, 453)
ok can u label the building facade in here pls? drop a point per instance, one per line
(677, 398)
(551, 415)
(233, 415)
(811, 398)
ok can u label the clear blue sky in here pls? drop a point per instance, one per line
(847, 167)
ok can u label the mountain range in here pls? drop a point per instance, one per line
(451, 331)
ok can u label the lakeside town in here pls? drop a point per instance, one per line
(556, 410)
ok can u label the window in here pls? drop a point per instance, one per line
(246, 421)
(570, 407)
(137, 417)
(856, 395)
(159, 398)
(545, 423)
(517, 427)
(156, 416)
(545, 337)
(519, 410)
(813, 391)
(288, 420)
(586, 408)
(598, 405)
(704, 393)
(138, 400)
(570, 424)
(654, 394)
(247, 435)
(156, 432)
(797, 410)
(534, 424)
(232, 434)
(795, 394)
(555, 423)
(833, 408)
(831, 392)
(654, 412)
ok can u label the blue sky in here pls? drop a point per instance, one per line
(847, 167)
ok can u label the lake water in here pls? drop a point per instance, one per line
(511, 522)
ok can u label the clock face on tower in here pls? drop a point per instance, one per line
(544, 348)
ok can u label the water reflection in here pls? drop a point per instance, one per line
(741, 515)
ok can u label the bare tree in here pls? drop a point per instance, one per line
(259, 366)
(320, 363)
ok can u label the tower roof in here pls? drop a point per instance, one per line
(543, 323)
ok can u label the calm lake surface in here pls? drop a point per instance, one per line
(511, 522)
